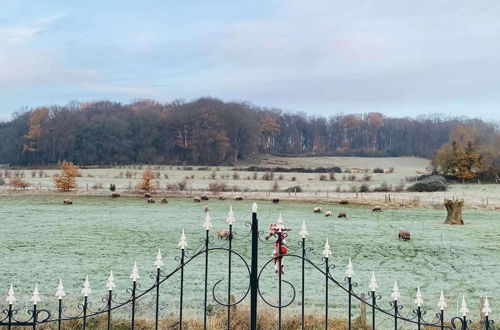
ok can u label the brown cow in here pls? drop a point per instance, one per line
(204, 198)
(276, 200)
(221, 198)
(115, 195)
(67, 202)
(342, 215)
(164, 200)
(318, 210)
(344, 202)
(221, 233)
(206, 208)
(377, 208)
(151, 201)
(197, 199)
(404, 235)
(147, 195)
(238, 198)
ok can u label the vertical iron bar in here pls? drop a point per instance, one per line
(134, 286)
(182, 289)
(464, 325)
(350, 302)
(229, 278)
(326, 293)
(487, 322)
(374, 300)
(206, 282)
(59, 315)
(395, 315)
(419, 317)
(34, 316)
(85, 312)
(9, 326)
(110, 296)
(253, 274)
(279, 259)
(442, 319)
(157, 308)
(303, 282)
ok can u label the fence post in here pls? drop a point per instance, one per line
(253, 274)
(481, 307)
(362, 316)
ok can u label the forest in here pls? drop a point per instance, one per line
(208, 131)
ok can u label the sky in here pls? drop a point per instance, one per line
(401, 58)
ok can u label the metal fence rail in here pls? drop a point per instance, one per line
(277, 232)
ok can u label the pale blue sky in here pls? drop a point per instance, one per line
(322, 57)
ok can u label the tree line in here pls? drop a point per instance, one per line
(209, 131)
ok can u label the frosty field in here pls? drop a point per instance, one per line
(43, 240)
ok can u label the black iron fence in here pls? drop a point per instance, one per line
(278, 234)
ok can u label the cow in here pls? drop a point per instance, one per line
(404, 235)
(67, 202)
(206, 208)
(221, 198)
(164, 200)
(238, 198)
(342, 215)
(197, 199)
(221, 233)
(204, 198)
(115, 195)
(147, 195)
(377, 208)
(276, 200)
(328, 214)
(402, 205)
(151, 201)
(318, 210)
(344, 202)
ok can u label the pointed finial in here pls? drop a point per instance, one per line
(327, 252)
(279, 225)
(254, 208)
(159, 260)
(86, 287)
(134, 276)
(230, 216)
(419, 300)
(350, 270)
(303, 230)
(463, 309)
(60, 290)
(442, 302)
(486, 307)
(395, 292)
(207, 224)
(183, 241)
(35, 299)
(11, 299)
(110, 285)
(373, 283)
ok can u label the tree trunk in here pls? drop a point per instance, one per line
(454, 209)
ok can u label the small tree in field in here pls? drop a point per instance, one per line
(18, 183)
(147, 180)
(67, 179)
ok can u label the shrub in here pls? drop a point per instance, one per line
(294, 189)
(351, 178)
(332, 176)
(430, 184)
(217, 187)
(275, 187)
(2, 181)
(384, 187)
(236, 176)
(268, 176)
(18, 183)
(280, 177)
(322, 177)
(367, 177)
(187, 168)
(378, 170)
(364, 188)
(112, 187)
(399, 187)
(97, 186)
(294, 178)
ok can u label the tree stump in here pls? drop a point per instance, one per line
(454, 209)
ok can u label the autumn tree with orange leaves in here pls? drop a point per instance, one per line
(67, 179)
(147, 180)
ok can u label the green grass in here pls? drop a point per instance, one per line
(43, 240)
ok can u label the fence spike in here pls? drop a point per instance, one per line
(254, 207)
(60, 290)
(207, 224)
(11, 299)
(35, 299)
(373, 283)
(463, 309)
(86, 287)
(350, 270)
(110, 285)
(419, 300)
(230, 216)
(159, 260)
(183, 241)
(135, 273)
(486, 307)
(303, 230)
(327, 252)
(395, 291)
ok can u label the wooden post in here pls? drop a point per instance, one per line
(362, 316)
(295, 190)
(481, 306)
(327, 193)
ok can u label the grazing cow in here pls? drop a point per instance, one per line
(206, 208)
(222, 198)
(238, 198)
(342, 215)
(164, 200)
(151, 201)
(204, 198)
(386, 170)
(377, 208)
(147, 195)
(276, 200)
(221, 233)
(115, 195)
(344, 202)
(328, 214)
(67, 202)
(197, 199)
(318, 210)
(402, 205)
(404, 235)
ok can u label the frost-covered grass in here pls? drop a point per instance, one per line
(43, 240)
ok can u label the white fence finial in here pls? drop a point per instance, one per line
(280, 226)
(134, 276)
(419, 300)
(207, 224)
(486, 307)
(35, 299)
(86, 287)
(230, 216)
(373, 283)
(11, 299)
(395, 292)
(327, 252)
(303, 230)
(183, 241)
(463, 309)
(254, 208)
(60, 290)
(110, 285)
(350, 270)
(442, 302)
(159, 260)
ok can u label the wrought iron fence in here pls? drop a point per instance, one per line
(279, 233)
